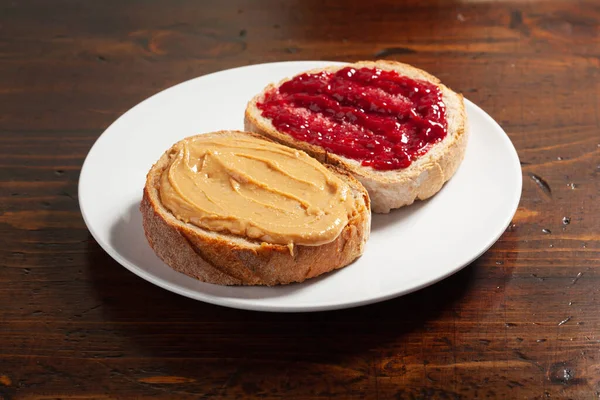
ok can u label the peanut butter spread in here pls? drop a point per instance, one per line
(256, 189)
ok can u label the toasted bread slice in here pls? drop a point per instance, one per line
(226, 259)
(387, 189)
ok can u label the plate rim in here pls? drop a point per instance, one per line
(244, 304)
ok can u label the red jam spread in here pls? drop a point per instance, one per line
(380, 118)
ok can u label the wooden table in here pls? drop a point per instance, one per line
(523, 321)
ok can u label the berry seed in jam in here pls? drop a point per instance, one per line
(380, 118)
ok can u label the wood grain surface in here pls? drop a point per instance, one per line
(522, 322)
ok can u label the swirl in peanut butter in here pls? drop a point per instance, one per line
(254, 188)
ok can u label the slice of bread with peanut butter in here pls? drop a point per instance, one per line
(233, 208)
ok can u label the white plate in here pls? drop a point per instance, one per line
(409, 248)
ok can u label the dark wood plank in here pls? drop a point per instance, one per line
(520, 322)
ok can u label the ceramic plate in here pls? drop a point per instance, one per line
(409, 248)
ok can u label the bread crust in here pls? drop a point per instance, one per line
(387, 189)
(231, 260)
